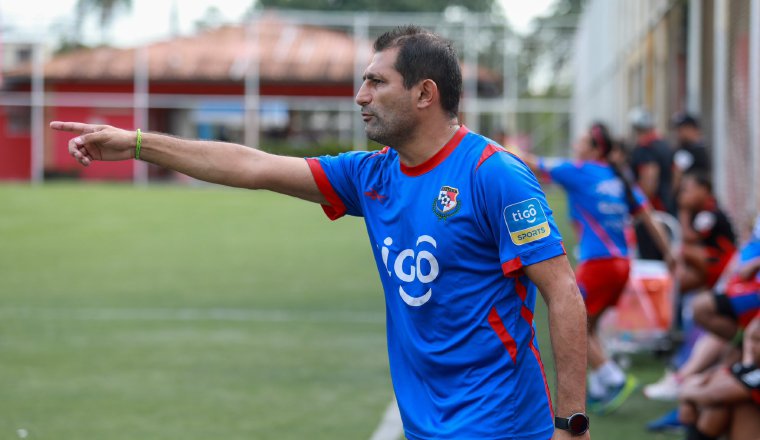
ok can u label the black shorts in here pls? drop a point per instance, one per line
(749, 376)
(723, 305)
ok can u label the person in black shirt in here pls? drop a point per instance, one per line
(691, 153)
(651, 164)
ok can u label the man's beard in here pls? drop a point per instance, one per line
(392, 131)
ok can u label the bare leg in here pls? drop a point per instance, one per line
(692, 273)
(706, 314)
(706, 352)
(687, 413)
(751, 351)
(690, 279)
(714, 421)
(745, 423)
(596, 356)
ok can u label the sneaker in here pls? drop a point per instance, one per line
(592, 403)
(667, 423)
(617, 396)
(665, 389)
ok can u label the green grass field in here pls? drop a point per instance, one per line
(199, 313)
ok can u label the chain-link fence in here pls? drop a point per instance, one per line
(280, 81)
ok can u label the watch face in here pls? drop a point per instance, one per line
(577, 424)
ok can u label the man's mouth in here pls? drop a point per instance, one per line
(366, 116)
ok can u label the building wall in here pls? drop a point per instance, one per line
(625, 57)
(15, 145)
(638, 54)
(110, 102)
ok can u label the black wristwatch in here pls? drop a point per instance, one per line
(576, 424)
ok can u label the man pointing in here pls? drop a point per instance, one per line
(462, 237)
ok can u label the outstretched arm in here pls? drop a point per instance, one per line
(216, 162)
(649, 179)
(567, 326)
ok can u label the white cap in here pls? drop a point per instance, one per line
(640, 118)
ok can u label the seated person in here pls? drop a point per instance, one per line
(722, 312)
(708, 247)
(729, 308)
(709, 242)
(726, 401)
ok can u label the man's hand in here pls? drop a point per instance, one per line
(98, 142)
(692, 386)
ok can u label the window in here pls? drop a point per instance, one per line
(19, 120)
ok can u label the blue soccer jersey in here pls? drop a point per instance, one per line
(450, 238)
(598, 206)
(751, 249)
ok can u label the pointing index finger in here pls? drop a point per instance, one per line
(75, 127)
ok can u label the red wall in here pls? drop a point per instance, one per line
(213, 88)
(15, 148)
(271, 89)
(15, 151)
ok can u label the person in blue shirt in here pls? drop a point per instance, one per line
(731, 305)
(462, 237)
(601, 202)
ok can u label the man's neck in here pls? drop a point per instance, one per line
(425, 142)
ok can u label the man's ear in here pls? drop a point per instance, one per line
(427, 93)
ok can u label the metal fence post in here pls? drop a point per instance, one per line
(140, 111)
(361, 36)
(754, 101)
(720, 117)
(694, 58)
(252, 82)
(38, 114)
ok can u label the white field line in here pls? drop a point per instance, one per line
(390, 427)
(192, 314)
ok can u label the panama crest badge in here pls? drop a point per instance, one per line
(447, 203)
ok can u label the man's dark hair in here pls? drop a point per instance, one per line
(425, 55)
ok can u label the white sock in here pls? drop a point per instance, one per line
(610, 374)
(596, 389)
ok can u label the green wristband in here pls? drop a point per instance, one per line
(138, 144)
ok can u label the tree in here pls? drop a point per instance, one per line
(544, 59)
(382, 5)
(105, 9)
(549, 47)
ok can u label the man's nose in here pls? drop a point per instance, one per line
(363, 97)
